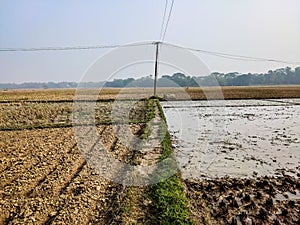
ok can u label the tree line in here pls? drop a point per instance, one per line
(282, 76)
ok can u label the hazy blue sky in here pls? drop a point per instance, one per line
(261, 28)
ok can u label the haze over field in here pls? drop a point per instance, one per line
(260, 28)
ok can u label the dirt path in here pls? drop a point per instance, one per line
(138, 206)
(152, 150)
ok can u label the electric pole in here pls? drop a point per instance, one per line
(156, 68)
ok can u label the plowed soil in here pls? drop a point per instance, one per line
(44, 177)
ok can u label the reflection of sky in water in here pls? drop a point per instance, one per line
(246, 136)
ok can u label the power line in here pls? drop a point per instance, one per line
(216, 54)
(70, 48)
(167, 24)
(233, 56)
(163, 21)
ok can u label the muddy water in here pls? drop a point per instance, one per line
(239, 138)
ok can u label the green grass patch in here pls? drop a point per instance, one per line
(151, 113)
(149, 116)
(169, 200)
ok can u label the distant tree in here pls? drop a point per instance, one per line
(230, 77)
(165, 81)
(144, 82)
(280, 76)
(180, 79)
(191, 81)
(243, 80)
(297, 75)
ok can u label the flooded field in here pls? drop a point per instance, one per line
(238, 138)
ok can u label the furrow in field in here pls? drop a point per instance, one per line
(119, 140)
(59, 176)
(68, 166)
(106, 210)
(15, 146)
(29, 210)
(75, 171)
(78, 207)
(48, 146)
(37, 173)
(39, 207)
(108, 137)
(43, 209)
(127, 143)
(89, 193)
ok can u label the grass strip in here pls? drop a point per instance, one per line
(170, 203)
(150, 114)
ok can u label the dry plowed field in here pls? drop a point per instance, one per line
(44, 177)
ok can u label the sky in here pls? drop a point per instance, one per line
(258, 28)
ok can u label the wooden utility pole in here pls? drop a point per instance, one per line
(155, 69)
